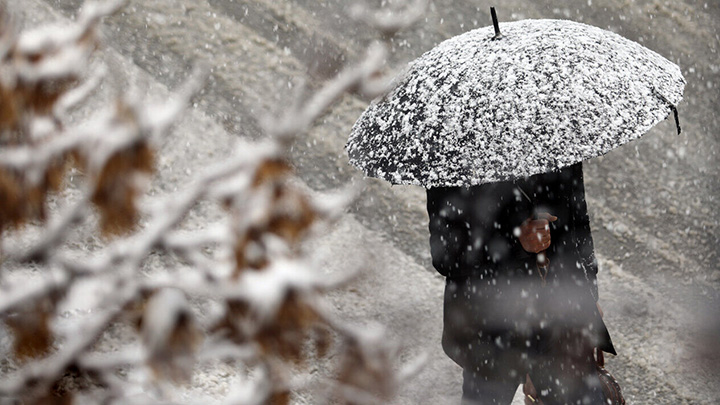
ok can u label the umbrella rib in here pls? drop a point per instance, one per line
(673, 108)
(524, 193)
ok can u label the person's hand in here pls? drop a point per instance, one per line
(534, 234)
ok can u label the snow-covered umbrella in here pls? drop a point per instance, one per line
(485, 106)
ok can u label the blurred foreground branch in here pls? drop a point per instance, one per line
(268, 313)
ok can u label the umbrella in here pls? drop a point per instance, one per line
(484, 106)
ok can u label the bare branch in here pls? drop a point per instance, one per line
(390, 21)
(38, 376)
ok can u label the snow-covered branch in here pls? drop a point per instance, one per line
(388, 21)
(265, 297)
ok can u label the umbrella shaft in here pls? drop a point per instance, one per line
(495, 22)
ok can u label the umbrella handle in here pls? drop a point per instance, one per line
(543, 264)
(542, 261)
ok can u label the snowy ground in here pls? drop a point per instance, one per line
(654, 203)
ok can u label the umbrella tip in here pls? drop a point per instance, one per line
(498, 35)
(677, 118)
(673, 109)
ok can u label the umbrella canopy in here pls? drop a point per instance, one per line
(544, 95)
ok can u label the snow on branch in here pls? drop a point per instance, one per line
(390, 20)
(240, 293)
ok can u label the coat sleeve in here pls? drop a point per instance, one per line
(583, 234)
(448, 234)
(472, 229)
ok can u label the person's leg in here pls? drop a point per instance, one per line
(483, 340)
(568, 375)
(479, 390)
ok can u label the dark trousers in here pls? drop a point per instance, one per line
(559, 379)
(479, 391)
(500, 331)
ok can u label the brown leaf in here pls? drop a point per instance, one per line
(367, 369)
(11, 199)
(280, 398)
(323, 340)
(51, 398)
(171, 335)
(40, 97)
(133, 310)
(73, 381)
(291, 215)
(8, 112)
(118, 214)
(34, 201)
(270, 170)
(175, 360)
(31, 332)
(115, 189)
(22, 201)
(250, 252)
(55, 173)
(285, 335)
(231, 324)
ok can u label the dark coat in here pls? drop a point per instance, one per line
(496, 307)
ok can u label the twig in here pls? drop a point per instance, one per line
(37, 377)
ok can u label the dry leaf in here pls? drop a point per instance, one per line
(285, 335)
(280, 398)
(170, 335)
(31, 332)
(250, 252)
(270, 170)
(11, 199)
(368, 369)
(115, 188)
(291, 215)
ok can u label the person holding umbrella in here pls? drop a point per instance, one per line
(496, 127)
(506, 316)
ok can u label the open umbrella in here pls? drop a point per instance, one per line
(484, 106)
